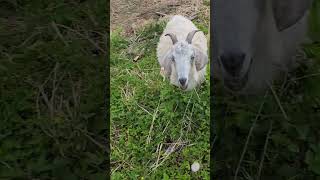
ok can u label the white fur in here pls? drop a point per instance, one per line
(274, 52)
(181, 26)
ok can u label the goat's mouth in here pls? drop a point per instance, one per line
(183, 87)
(236, 83)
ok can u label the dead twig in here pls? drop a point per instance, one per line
(193, 16)
(80, 34)
(279, 103)
(264, 151)
(248, 137)
(161, 14)
(85, 133)
(306, 76)
(154, 116)
(54, 25)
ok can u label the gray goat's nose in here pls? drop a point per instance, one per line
(232, 62)
(182, 81)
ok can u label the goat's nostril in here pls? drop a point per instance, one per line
(232, 62)
(183, 81)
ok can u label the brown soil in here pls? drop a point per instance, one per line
(132, 14)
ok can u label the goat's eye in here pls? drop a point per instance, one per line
(172, 59)
(192, 58)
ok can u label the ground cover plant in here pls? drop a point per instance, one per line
(52, 76)
(52, 80)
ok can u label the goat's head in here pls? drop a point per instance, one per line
(184, 56)
(236, 26)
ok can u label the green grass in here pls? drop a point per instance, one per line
(51, 90)
(59, 45)
(149, 116)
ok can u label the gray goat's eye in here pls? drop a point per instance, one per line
(172, 59)
(192, 57)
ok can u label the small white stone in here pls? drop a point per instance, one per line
(195, 167)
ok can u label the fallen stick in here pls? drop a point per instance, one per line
(161, 14)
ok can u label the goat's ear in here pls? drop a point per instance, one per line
(167, 63)
(288, 12)
(201, 59)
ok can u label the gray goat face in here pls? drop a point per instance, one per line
(236, 25)
(183, 57)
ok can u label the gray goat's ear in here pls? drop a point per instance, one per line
(167, 63)
(201, 59)
(288, 12)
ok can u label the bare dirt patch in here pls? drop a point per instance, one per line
(133, 14)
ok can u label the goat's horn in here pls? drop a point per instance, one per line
(173, 37)
(190, 36)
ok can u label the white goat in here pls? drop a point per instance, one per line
(182, 53)
(255, 40)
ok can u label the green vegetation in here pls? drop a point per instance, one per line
(284, 125)
(52, 106)
(157, 131)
